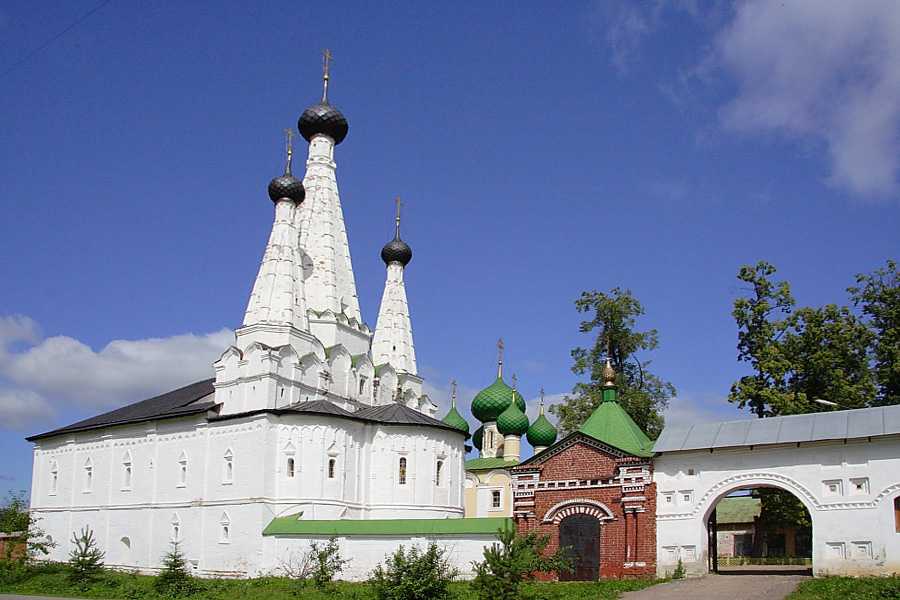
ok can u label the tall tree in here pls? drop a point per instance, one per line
(759, 335)
(798, 355)
(641, 393)
(877, 295)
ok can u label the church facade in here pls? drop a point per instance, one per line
(311, 422)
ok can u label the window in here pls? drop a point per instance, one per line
(225, 534)
(491, 439)
(54, 477)
(126, 471)
(290, 467)
(437, 472)
(176, 528)
(686, 496)
(897, 514)
(182, 470)
(362, 386)
(402, 475)
(495, 499)
(859, 486)
(88, 475)
(228, 467)
(332, 462)
(669, 498)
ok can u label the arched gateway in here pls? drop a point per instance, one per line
(844, 467)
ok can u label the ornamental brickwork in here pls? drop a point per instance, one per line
(582, 477)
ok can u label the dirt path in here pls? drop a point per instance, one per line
(746, 585)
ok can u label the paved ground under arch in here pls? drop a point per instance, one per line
(756, 583)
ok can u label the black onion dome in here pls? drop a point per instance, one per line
(287, 186)
(323, 118)
(396, 251)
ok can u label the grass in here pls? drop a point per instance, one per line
(848, 588)
(51, 580)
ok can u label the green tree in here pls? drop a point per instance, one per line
(516, 558)
(85, 559)
(174, 579)
(759, 335)
(797, 355)
(16, 518)
(877, 295)
(642, 394)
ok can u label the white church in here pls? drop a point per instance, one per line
(314, 425)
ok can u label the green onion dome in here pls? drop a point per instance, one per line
(542, 432)
(493, 400)
(454, 419)
(478, 437)
(512, 421)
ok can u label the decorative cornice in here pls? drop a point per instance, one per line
(578, 506)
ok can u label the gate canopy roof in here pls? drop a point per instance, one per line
(836, 425)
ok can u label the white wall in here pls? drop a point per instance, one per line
(853, 529)
(365, 484)
(366, 552)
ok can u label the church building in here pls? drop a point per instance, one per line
(312, 424)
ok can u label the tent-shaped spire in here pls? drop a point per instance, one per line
(610, 424)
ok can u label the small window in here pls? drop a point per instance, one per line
(897, 514)
(362, 386)
(495, 499)
(176, 528)
(290, 468)
(127, 471)
(88, 475)
(225, 534)
(228, 467)
(182, 470)
(54, 477)
(402, 474)
(491, 439)
(437, 472)
(332, 462)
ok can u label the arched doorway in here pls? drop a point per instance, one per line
(581, 534)
(759, 526)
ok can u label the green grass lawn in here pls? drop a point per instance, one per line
(51, 580)
(848, 588)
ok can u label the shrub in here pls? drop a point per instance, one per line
(85, 559)
(320, 564)
(678, 573)
(174, 579)
(514, 560)
(30, 540)
(414, 575)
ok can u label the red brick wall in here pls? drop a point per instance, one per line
(584, 462)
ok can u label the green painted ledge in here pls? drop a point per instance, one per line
(291, 525)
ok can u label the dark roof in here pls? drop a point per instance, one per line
(400, 414)
(177, 403)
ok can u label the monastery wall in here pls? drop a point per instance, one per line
(849, 488)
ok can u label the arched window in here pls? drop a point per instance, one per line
(126, 471)
(332, 463)
(362, 386)
(401, 478)
(290, 467)
(182, 470)
(225, 522)
(88, 475)
(491, 439)
(439, 465)
(126, 542)
(228, 467)
(54, 476)
(897, 514)
(176, 528)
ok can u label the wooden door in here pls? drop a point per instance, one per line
(581, 534)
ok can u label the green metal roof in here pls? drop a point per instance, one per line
(293, 525)
(454, 419)
(542, 432)
(483, 464)
(493, 400)
(512, 421)
(740, 509)
(610, 424)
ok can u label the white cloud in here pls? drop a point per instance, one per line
(689, 408)
(826, 71)
(20, 409)
(72, 374)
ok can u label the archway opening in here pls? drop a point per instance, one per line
(759, 528)
(580, 534)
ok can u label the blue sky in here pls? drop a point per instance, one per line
(540, 152)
